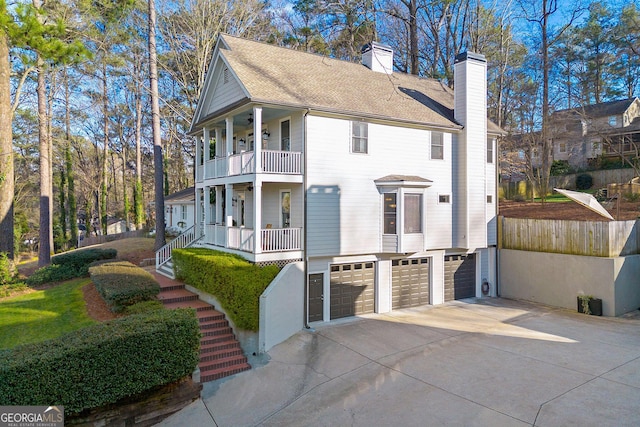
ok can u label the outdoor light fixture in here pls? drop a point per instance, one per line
(265, 135)
(241, 141)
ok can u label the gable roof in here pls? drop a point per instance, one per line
(603, 109)
(276, 75)
(188, 195)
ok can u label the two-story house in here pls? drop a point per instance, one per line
(383, 184)
(604, 130)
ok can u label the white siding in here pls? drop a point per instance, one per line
(344, 204)
(271, 204)
(223, 94)
(470, 110)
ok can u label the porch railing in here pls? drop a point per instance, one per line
(243, 163)
(214, 234)
(281, 239)
(182, 241)
(286, 162)
(241, 239)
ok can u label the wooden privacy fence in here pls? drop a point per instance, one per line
(94, 240)
(590, 238)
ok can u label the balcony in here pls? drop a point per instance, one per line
(272, 161)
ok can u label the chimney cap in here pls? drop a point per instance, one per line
(376, 45)
(470, 55)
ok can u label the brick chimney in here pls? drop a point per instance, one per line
(378, 57)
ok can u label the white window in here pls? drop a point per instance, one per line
(444, 198)
(437, 146)
(359, 137)
(490, 150)
(562, 147)
(390, 216)
(183, 214)
(413, 213)
(285, 135)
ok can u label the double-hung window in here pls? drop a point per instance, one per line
(390, 214)
(412, 213)
(437, 146)
(359, 137)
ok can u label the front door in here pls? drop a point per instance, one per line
(316, 297)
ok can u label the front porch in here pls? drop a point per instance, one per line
(261, 221)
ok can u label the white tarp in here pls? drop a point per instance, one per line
(586, 200)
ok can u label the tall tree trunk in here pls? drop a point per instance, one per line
(105, 158)
(44, 246)
(157, 140)
(546, 143)
(71, 190)
(137, 195)
(6, 153)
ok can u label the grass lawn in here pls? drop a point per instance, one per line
(43, 315)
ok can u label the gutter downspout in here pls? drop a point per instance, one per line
(304, 237)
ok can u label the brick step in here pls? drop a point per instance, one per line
(170, 286)
(216, 374)
(225, 362)
(210, 315)
(220, 354)
(214, 332)
(220, 345)
(213, 323)
(177, 295)
(216, 339)
(197, 304)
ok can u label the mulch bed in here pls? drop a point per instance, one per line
(97, 308)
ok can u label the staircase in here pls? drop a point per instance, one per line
(164, 264)
(220, 352)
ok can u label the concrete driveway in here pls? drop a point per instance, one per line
(490, 362)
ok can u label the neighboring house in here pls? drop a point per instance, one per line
(382, 184)
(180, 210)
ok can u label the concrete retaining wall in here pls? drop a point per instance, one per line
(282, 307)
(557, 279)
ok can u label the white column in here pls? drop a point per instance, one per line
(219, 213)
(207, 205)
(229, 124)
(207, 142)
(216, 135)
(257, 214)
(198, 213)
(228, 214)
(196, 163)
(257, 137)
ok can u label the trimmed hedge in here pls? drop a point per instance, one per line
(70, 265)
(103, 363)
(122, 284)
(235, 282)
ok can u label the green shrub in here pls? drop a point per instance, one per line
(631, 197)
(102, 363)
(144, 307)
(70, 265)
(235, 282)
(7, 269)
(122, 284)
(80, 260)
(560, 167)
(584, 181)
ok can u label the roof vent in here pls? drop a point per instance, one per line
(378, 57)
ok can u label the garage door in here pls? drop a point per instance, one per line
(409, 282)
(459, 276)
(352, 289)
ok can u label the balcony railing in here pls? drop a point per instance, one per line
(286, 162)
(273, 161)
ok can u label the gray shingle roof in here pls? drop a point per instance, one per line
(183, 196)
(277, 75)
(603, 109)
